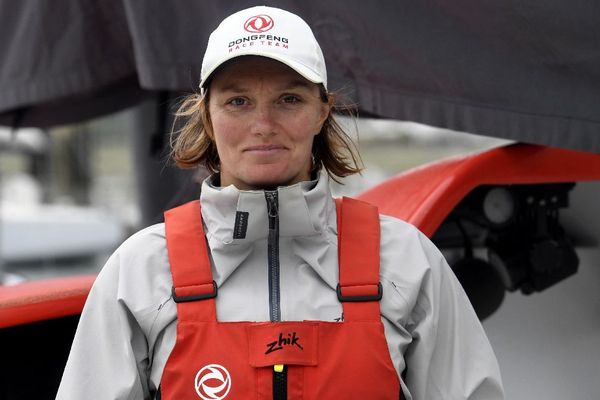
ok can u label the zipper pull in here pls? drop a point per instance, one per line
(272, 206)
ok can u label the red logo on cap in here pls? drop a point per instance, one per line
(259, 24)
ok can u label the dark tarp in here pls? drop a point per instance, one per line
(522, 70)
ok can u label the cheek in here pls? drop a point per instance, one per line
(313, 117)
(322, 112)
(224, 132)
(306, 130)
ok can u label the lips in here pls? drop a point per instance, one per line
(266, 147)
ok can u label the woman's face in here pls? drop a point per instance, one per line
(264, 119)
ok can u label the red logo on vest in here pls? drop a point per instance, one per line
(259, 24)
(213, 382)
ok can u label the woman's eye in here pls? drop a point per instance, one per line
(290, 99)
(237, 101)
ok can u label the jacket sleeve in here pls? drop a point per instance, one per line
(436, 340)
(109, 356)
(450, 356)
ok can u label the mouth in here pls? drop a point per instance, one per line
(265, 148)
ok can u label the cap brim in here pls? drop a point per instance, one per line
(300, 68)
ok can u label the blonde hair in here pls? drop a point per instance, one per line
(193, 145)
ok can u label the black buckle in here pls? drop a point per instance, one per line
(194, 297)
(373, 297)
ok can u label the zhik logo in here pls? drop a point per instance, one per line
(213, 382)
(290, 340)
(259, 24)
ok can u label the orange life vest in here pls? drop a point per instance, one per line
(307, 360)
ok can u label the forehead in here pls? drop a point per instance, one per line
(254, 69)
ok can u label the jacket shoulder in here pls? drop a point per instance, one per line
(407, 238)
(410, 265)
(139, 267)
(148, 240)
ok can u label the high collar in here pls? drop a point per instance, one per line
(304, 209)
(306, 216)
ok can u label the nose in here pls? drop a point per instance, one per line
(263, 120)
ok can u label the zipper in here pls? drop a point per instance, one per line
(273, 255)
(280, 382)
(279, 371)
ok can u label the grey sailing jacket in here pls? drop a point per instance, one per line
(128, 326)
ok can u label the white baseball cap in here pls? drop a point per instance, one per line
(267, 32)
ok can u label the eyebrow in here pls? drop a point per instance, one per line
(297, 84)
(234, 87)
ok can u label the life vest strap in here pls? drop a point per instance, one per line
(190, 263)
(359, 288)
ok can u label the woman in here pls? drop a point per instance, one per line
(250, 300)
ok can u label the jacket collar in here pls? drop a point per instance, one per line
(306, 213)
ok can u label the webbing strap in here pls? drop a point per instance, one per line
(358, 252)
(190, 263)
(359, 289)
